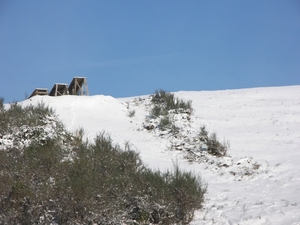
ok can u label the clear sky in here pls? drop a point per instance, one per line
(133, 47)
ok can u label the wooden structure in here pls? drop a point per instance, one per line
(59, 89)
(39, 91)
(78, 86)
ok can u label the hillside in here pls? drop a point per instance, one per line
(257, 183)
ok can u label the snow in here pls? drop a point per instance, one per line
(261, 124)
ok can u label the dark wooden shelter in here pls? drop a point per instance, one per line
(39, 91)
(78, 86)
(59, 89)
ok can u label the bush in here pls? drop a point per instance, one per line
(214, 146)
(174, 195)
(164, 101)
(165, 122)
(131, 113)
(164, 106)
(156, 111)
(101, 184)
(187, 191)
(16, 116)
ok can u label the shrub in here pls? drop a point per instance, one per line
(131, 113)
(103, 184)
(16, 116)
(164, 106)
(175, 193)
(203, 134)
(165, 122)
(214, 146)
(187, 191)
(156, 111)
(164, 101)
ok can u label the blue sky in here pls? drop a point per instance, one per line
(130, 48)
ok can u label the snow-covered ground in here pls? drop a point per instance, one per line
(262, 125)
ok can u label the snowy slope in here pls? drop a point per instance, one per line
(262, 125)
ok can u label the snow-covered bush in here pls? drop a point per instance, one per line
(131, 113)
(172, 117)
(165, 122)
(164, 101)
(21, 126)
(101, 183)
(164, 108)
(214, 146)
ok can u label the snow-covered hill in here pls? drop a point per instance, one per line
(262, 125)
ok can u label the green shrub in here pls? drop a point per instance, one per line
(102, 184)
(181, 192)
(163, 102)
(131, 113)
(214, 146)
(187, 191)
(157, 111)
(16, 116)
(165, 122)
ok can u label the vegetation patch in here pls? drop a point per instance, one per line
(211, 143)
(164, 101)
(167, 111)
(164, 107)
(21, 126)
(100, 183)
